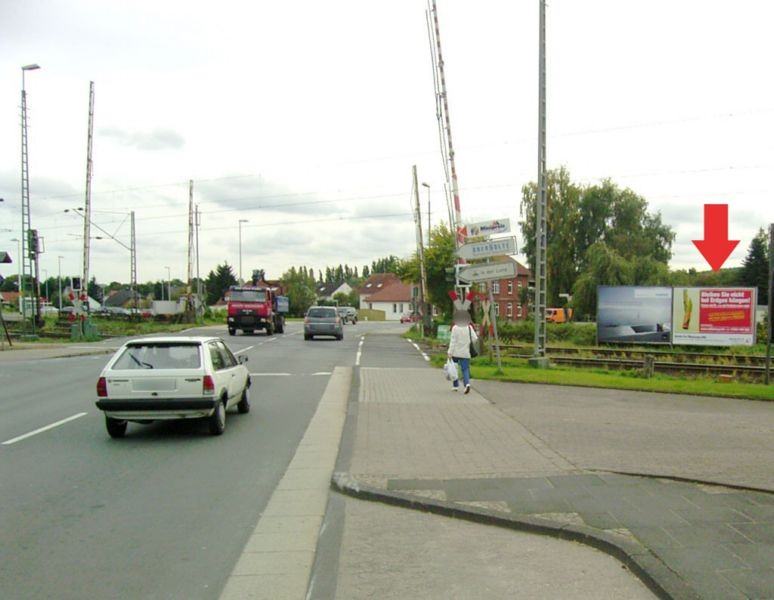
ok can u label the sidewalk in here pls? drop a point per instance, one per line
(21, 351)
(411, 442)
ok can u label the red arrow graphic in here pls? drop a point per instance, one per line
(716, 247)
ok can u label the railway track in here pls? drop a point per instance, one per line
(743, 367)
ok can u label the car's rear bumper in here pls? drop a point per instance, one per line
(154, 408)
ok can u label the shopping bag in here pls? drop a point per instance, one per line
(450, 370)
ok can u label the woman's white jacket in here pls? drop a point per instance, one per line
(459, 342)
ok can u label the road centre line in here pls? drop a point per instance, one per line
(42, 429)
(244, 349)
(359, 351)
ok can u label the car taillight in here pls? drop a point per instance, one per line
(208, 385)
(306, 320)
(338, 321)
(102, 387)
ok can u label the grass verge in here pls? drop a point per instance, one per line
(517, 370)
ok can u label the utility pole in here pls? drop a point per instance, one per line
(539, 355)
(420, 251)
(87, 213)
(133, 264)
(198, 278)
(189, 303)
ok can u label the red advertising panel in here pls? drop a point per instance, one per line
(714, 316)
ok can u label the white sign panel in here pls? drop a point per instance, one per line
(499, 247)
(499, 270)
(485, 228)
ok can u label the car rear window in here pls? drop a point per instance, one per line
(322, 313)
(159, 356)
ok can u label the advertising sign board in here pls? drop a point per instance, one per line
(494, 227)
(632, 314)
(714, 316)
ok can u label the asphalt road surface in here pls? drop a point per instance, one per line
(166, 511)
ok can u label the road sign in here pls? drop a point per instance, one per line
(499, 247)
(488, 272)
(495, 227)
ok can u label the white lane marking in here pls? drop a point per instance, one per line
(359, 351)
(244, 349)
(322, 373)
(42, 429)
(270, 374)
(425, 356)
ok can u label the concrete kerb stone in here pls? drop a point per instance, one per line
(659, 578)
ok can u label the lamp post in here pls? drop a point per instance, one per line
(59, 280)
(427, 185)
(169, 285)
(241, 281)
(19, 267)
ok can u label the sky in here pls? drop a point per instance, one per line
(305, 118)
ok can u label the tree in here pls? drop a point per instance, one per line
(218, 282)
(579, 217)
(439, 256)
(755, 268)
(300, 286)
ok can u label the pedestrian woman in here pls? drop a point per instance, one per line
(462, 336)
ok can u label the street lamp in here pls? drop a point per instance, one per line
(19, 266)
(241, 281)
(427, 185)
(59, 278)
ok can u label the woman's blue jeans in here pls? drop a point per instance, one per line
(464, 364)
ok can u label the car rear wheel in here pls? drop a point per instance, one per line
(231, 331)
(244, 403)
(217, 421)
(116, 428)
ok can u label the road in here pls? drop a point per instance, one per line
(166, 511)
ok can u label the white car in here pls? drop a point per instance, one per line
(161, 378)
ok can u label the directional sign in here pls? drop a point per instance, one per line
(494, 227)
(487, 272)
(499, 247)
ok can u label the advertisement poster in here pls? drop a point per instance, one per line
(714, 316)
(634, 315)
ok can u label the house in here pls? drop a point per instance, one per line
(508, 294)
(394, 299)
(326, 291)
(122, 298)
(10, 299)
(374, 284)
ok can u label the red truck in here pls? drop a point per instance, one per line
(256, 307)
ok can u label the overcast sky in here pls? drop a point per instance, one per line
(306, 117)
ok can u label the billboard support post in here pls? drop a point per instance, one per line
(771, 303)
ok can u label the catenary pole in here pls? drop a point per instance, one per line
(541, 205)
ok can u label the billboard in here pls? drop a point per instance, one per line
(714, 316)
(634, 314)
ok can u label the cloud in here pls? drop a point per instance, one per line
(156, 139)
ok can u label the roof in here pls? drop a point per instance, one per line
(376, 282)
(328, 289)
(120, 297)
(395, 292)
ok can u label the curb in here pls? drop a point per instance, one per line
(659, 578)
